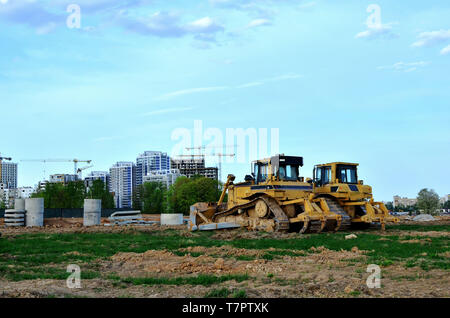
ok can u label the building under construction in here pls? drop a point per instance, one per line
(193, 166)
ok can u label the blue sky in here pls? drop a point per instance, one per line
(337, 88)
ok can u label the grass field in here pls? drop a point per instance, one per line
(45, 256)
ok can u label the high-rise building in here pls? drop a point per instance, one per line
(151, 161)
(8, 174)
(122, 183)
(167, 177)
(97, 175)
(192, 167)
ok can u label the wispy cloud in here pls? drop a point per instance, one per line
(191, 91)
(432, 38)
(445, 50)
(251, 84)
(405, 67)
(166, 110)
(258, 23)
(377, 31)
(307, 5)
(168, 24)
(284, 77)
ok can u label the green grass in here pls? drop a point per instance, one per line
(218, 293)
(419, 228)
(240, 294)
(31, 256)
(204, 280)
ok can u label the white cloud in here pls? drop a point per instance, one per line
(376, 31)
(445, 50)
(284, 77)
(204, 25)
(166, 110)
(191, 91)
(251, 84)
(307, 5)
(432, 38)
(258, 23)
(405, 67)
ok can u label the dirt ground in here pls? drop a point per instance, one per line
(319, 273)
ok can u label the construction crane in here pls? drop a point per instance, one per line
(75, 162)
(80, 171)
(220, 155)
(4, 158)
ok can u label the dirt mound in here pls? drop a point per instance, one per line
(224, 251)
(154, 262)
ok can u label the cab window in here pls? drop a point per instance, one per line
(261, 172)
(347, 174)
(323, 175)
(288, 173)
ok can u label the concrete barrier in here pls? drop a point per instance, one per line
(34, 215)
(92, 212)
(171, 218)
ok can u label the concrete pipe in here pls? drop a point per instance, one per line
(92, 212)
(34, 215)
(19, 204)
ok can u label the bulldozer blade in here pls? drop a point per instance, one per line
(215, 226)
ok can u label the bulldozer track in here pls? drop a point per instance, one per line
(336, 208)
(281, 219)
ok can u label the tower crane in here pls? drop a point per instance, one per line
(80, 171)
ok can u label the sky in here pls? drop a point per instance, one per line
(354, 80)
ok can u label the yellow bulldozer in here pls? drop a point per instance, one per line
(276, 198)
(338, 184)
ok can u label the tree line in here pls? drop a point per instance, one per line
(427, 202)
(150, 197)
(72, 195)
(154, 197)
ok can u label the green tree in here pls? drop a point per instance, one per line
(428, 201)
(185, 192)
(2, 205)
(153, 196)
(446, 205)
(136, 203)
(58, 195)
(389, 206)
(99, 191)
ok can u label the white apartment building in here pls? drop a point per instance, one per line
(122, 183)
(151, 161)
(167, 177)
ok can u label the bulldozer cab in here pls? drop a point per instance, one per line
(336, 172)
(277, 168)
